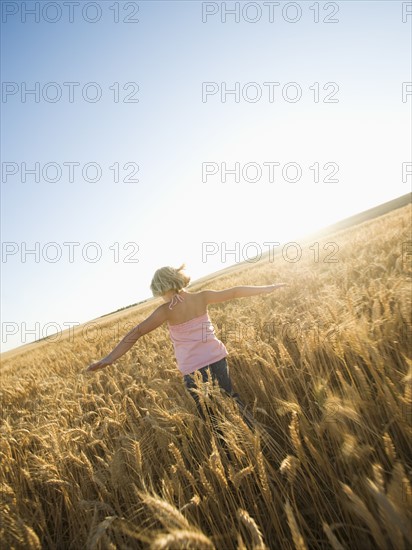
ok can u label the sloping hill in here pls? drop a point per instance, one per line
(329, 231)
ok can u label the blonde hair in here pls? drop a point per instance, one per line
(168, 278)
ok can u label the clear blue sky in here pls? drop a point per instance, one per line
(172, 131)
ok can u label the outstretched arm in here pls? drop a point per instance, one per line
(153, 321)
(216, 296)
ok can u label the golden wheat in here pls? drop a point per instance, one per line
(176, 540)
(121, 459)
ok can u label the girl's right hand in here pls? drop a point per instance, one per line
(277, 285)
(98, 365)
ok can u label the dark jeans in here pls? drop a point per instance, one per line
(220, 374)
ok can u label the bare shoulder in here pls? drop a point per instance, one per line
(197, 299)
(161, 312)
(196, 294)
(154, 320)
(217, 296)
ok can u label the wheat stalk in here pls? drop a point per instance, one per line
(360, 509)
(250, 523)
(296, 534)
(336, 545)
(176, 540)
(165, 512)
(289, 467)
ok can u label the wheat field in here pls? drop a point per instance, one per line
(120, 459)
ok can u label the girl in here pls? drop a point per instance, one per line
(191, 331)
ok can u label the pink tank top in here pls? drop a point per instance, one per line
(195, 344)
